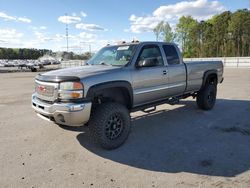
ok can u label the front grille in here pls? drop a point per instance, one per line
(46, 91)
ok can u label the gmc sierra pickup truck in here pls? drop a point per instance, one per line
(120, 79)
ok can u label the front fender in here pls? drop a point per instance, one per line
(95, 90)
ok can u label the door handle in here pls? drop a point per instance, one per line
(165, 72)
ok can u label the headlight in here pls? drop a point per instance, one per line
(71, 90)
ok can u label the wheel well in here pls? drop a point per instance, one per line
(117, 94)
(212, 79)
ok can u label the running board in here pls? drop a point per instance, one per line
(150, 109)
(154, 104)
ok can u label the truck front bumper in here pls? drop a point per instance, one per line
(69, 114)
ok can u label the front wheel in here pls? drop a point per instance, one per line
(206, 97)
(110, 125)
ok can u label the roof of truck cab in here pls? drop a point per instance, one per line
(143, 42)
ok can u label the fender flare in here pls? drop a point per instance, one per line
(94, 90)
(206, 75)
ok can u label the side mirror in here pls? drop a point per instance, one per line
(149, 62)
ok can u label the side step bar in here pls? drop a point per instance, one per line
(147, 108)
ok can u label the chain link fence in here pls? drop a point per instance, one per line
(72, 63)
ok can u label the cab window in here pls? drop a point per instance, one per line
(150, 56)
(171, 55)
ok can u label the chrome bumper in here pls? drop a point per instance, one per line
(63, 113)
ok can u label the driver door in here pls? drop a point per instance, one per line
(149, 77)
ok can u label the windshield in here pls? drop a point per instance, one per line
(113, 55)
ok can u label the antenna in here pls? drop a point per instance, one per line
(67, 32)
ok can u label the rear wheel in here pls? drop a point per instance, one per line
(110, 125)
(206, 97)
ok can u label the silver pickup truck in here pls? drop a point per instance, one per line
(120, 79)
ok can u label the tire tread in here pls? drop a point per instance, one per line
(98, 119)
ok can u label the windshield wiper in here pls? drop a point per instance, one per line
(103, 63)
(116, 65)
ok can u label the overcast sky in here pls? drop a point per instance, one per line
(41, 24)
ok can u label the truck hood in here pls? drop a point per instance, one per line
(83, 71)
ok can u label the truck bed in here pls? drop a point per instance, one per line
(195, 72)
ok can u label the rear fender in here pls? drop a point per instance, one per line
(208, 74)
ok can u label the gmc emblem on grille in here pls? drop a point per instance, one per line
(41, 88)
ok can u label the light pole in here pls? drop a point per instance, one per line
(67, 32)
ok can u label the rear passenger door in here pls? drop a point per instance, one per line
(176, 71)
(149, 75)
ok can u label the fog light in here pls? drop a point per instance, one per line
(61, 118)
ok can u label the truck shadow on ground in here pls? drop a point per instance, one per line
(186, 139)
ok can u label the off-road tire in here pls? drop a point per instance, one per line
(105, 122)
(206, 97)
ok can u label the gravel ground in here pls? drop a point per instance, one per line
(176, 146)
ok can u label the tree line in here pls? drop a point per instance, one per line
(73, 56)
(22, 53)
(224, 35)
(26, 53)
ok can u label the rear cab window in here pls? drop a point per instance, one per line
(171, 55)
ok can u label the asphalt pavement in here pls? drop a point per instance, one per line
(175, 146)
